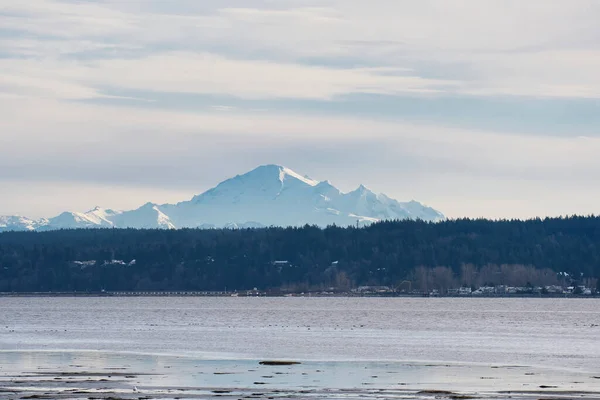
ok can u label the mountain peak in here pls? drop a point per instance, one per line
(281, 172)
(269, 195)
(361, 190)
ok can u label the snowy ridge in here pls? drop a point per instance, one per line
(18, 223)
(284, 172)
(270, 195)
(101, 216)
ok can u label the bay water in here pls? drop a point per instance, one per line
(352, 342)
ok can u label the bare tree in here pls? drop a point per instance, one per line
(342, 282)
(468, 274)
(421, 279)
(488, 274)
(442, 279)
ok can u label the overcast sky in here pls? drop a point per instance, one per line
(477, 108)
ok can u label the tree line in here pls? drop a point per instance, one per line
(461, 251)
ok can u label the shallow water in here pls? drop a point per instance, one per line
(92, 374)
(349, 347)
(563, 333)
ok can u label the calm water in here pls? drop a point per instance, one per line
(552, 333)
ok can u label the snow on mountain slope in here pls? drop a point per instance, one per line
(68, 220)
(286, 172)
(18, 223)
(268, 195)
(148, 216)
(95, 218)
(102, 217)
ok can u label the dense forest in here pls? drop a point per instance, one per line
(462, 251)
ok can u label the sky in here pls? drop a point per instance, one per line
(476, 108)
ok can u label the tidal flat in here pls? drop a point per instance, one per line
(202, 348)
(100, 375)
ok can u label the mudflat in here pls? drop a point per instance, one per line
(101, 375)
(167, 348)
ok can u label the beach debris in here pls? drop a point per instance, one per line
(432, 392)
(278, 363)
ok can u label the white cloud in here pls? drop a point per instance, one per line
(222, 108)
(501, 47)
(60, 52)
(206, 74)
(67, 20)
(106, 127)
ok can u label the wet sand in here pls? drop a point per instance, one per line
(100, 375)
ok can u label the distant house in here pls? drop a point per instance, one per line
(373, 289)
(464, 291)
(254, 292)
(485, 290)
(554, 289)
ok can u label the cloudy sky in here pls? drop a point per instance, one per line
(477, 108)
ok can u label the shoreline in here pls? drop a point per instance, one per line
(298, 295)
(75, 375)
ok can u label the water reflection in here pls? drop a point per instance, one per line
(156, 372)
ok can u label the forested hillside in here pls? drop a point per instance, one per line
(387, 253)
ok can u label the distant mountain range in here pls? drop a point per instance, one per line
(270, 195)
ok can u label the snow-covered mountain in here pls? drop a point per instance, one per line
(268, 195)
(18, 223)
